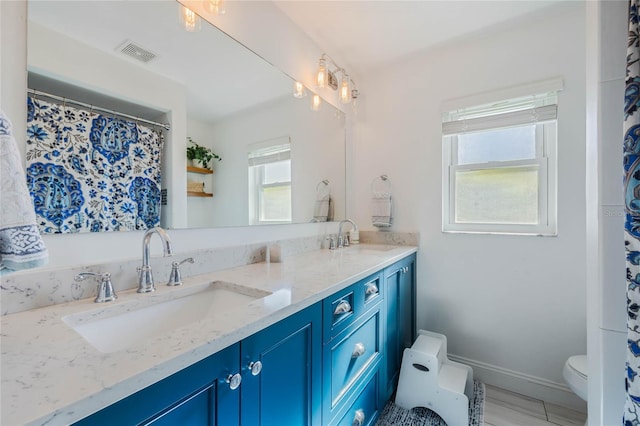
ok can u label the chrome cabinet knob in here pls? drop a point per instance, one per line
(342, 308)
(358, 418)
(371, 289)
(234, 381)
(255, 367)
(358, 350)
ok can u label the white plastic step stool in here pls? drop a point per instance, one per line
(428, 378)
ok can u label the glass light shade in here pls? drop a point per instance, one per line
(345, 89)
(189, 19)
(216, 7)
(321, 78)
(315, 102)
(299, 90)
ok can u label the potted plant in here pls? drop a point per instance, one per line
(200, 155)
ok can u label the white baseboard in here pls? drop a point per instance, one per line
(531, 386)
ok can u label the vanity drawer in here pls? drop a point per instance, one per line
(372, 290)
(346, 306)
(365, 409)
(350, 356)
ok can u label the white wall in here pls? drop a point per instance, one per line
(513, 306)
(13, 77)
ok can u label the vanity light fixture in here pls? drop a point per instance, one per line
(327, 77)
(189, 19)
(315, 102)
(321, 77)
(345, 89)
(298, 90)
(216, 7)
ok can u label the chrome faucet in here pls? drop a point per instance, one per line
(145, 276)
(343, 240)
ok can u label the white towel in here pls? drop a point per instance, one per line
(381, 209)
(21, 246)
(321, 209)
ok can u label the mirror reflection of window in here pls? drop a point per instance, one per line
(270, 182)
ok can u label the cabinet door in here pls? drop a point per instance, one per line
(287, 389)
(197, 395)
(400, 319)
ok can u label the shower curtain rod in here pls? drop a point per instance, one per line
(95, 108)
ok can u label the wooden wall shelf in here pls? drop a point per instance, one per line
(198, 194)
(200, 170)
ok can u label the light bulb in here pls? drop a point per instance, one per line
(189, 19)
(215, 7)
(299, 90)
(345, 89)
(321, 78)
(315, 102)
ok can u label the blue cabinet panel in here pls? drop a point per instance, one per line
(193, 411)
(365, 407)
(287, 390)
(348, 356)
(197, 395)
(400, 320)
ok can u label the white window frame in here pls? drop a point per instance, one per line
(543, 114)
(261, 154)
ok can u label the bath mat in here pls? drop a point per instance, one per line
(398, 416)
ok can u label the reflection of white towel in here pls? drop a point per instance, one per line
(21, 246)
(321, 209)
(381, 209)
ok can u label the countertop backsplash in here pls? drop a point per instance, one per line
(40, 288)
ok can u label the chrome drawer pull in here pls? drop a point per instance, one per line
(358, 350)
(371, 289)
(255, 367)
(342, 308)
(358, 419)
(234, 381)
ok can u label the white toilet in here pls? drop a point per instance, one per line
(575, 374)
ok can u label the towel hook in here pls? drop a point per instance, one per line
(325, 181)
(382, 180)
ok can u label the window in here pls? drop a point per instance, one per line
(270, 182)
(499, 167)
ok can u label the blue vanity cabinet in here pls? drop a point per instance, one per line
(197, 395)
(333, 363)
(399, 281)
(286, 389)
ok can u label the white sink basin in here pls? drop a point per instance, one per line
(120, 326)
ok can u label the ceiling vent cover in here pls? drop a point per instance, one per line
(134, 50)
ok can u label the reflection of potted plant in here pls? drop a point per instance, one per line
(200, 155)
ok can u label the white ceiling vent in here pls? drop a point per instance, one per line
(134, 50)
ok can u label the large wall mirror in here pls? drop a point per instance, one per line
(206, 86)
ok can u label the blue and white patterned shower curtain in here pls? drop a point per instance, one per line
(632, 222)
(88, 172)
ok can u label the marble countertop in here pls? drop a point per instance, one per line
(51, 375)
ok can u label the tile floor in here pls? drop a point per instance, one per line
(505, 408)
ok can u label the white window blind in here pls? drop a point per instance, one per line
(270, 154)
